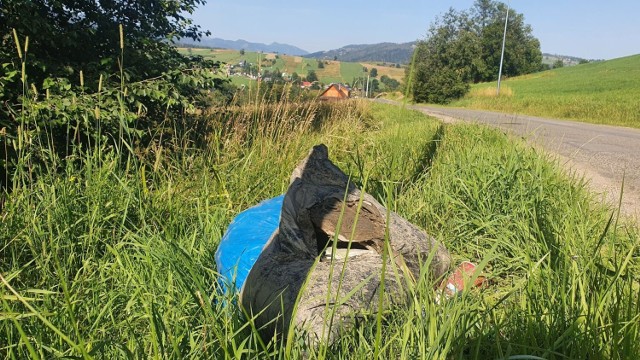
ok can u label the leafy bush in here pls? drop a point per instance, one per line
(439, 87)
(62, 116)
(389, 83)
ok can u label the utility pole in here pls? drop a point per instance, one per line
(367, 93)
(504, 39)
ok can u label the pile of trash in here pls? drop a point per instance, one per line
(320, 255)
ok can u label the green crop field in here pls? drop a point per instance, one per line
(605, 92)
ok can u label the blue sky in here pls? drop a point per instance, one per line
(593, 29)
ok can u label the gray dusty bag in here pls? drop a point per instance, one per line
(320, 206)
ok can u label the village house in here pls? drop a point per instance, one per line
(335, 92)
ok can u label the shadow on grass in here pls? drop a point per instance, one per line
(428, 154)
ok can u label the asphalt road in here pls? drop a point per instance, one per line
(605, 155)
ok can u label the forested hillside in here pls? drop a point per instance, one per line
(383, 52)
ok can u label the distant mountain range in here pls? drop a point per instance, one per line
(382, 52)
(245, 45)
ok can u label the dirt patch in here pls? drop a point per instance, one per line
(604, 186)
(442, 117)
(610, 189)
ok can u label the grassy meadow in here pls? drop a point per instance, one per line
(112, 256)
(601, 92)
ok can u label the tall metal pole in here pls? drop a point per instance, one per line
(367, 92)
(504, 39)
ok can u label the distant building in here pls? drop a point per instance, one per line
(305, 84)
(335, 92)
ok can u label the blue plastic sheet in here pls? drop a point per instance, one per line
(244, 240)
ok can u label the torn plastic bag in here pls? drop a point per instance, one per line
(334, 251)
(244, 240)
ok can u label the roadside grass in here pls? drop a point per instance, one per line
(603, 93)
(563, 270)
(112, 259)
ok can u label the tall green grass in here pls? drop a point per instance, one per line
(114, 259)
(603, 93)
(564, 272)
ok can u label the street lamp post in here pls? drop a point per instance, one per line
(504, 39)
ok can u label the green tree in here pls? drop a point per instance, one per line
(242, 52)
(522, 50)
(389, 83)
(558, 64)
(312, 76)
(435, 81)
(295, 78)
(374, 86)
(373, 72)
(441, 67)
(465, 46)
(75, 47)
(66, 36)
(484, 13)
(276, 76)
(320, 64)
(108, 41)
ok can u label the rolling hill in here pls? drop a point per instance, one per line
(567, 60)
(598, 92)
(331, 71)
(382, 52)
(245, 45)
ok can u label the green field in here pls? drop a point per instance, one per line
(113, 256)
(350, 71)
(603, 92)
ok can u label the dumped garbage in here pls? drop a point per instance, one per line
(332, 252)
(465, 276)
(244, 240)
